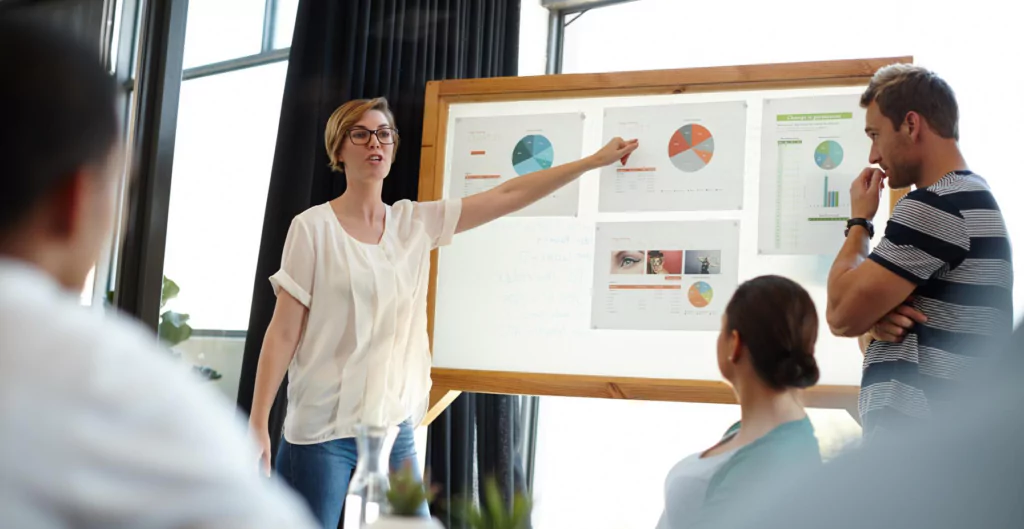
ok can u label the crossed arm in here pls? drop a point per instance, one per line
(862, 292)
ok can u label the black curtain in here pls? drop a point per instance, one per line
(84, 19)
(479, 437)
(348, 49)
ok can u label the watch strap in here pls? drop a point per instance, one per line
(860, 222)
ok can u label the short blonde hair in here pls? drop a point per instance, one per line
(342, 121)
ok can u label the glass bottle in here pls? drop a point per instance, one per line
(367, 492)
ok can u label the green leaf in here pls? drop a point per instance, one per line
(495, 506)
(520, 512)
(173, 328)
(494, 512)
(476, 520)
(170, 291)
(407, 492)
(176, 319)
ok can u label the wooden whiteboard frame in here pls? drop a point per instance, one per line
(440, 95)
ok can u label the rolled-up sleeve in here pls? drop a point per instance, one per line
(298, 263)
(440, 218)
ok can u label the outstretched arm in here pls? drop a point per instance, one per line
(516, 194)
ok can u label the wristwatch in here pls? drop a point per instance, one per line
(860, 222)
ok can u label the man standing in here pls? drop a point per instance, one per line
(98, 427)
(945, 256)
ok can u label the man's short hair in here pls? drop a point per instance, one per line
(903, 88)
(57, 114)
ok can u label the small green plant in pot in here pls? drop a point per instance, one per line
(495, 513)
(405, 495)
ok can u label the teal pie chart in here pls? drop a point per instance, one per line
(533, 153)
(828, 155)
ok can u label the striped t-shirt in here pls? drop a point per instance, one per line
(950, 240)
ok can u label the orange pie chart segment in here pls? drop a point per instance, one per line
(677, 144)
(691, 148)
(700, 294)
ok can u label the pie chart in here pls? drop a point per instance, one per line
(700, 294)
(691, 148)
(828, 155)
(532, 153)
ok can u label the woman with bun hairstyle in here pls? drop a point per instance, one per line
(766, 353)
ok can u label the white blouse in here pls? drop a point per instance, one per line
(364, 355)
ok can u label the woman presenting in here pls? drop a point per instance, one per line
(350, 323)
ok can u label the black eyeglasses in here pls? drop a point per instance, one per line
(362, 136)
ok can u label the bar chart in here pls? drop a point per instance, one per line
(830, 197)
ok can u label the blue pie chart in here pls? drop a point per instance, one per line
(828, 155)
(533, 153)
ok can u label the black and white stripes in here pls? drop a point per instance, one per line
(950, 240)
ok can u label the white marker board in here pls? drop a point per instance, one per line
(516, 295)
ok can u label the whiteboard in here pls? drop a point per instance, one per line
(516, 294)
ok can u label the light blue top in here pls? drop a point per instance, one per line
(699, 489)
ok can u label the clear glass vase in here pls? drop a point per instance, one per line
(367, 492)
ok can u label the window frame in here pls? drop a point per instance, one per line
(147, 60)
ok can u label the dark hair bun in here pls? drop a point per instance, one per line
(795, 370)
(778, 323)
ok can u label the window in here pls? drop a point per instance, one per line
(226, 132)
(224, 149)
(616, 454)
(223, 30)
(220, 30)
(284, 22)
(223, 154)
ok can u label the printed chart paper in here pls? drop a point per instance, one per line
(674, 276)
(690, 158)
(811, 150)
(489, 151)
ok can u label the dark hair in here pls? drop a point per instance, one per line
(57, 113)
(903, 88)
(654, 254)
(778, 323)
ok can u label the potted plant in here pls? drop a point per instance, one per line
(405, 496)
(173, 327)
(495, 513)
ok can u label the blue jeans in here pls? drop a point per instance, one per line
(321, 472)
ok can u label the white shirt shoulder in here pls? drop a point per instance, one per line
(99, 427)
(436, 219)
